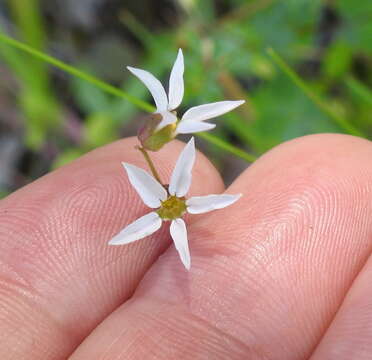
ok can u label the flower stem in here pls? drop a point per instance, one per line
(150, 163)
(227, 146)
(74, 71)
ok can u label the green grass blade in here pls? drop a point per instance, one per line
(74, 71)
(343, 123)
(117, 92)
(222, 144)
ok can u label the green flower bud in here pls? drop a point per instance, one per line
(152, 139)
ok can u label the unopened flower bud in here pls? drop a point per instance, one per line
(153, 139)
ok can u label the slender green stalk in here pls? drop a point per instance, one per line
(343, 123)
(226, 146)
(359, 88)
(117, 92)
(150, 163)
(76, 72)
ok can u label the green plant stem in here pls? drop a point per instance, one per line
(226, 146)
(117, 92)
(76, 72)
(150, 163)
(343, 123)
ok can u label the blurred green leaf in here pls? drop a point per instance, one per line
(99, 130)
(205, 10)
(89, 98)
(337, 60)
(356, 26)
(285, 113)
(66, 157)
(360, 89)
(342, 122)
(3, 194)
(40, 108)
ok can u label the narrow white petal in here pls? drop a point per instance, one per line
(179, 235)
(181, 177)
(154, 85)
(167, 118)
(202, 204)
(189, 127)
(209, 111)
(142, 227)
(150, 191)
(176, 86)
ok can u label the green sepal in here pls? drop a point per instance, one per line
(154, 140)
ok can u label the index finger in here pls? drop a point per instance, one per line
(58, 276)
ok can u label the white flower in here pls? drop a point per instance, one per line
(193, 119)
(170, 204)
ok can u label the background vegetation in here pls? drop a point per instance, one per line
(304, 66)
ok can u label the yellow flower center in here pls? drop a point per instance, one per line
(172, 208)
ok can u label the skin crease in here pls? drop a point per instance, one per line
(282, 274)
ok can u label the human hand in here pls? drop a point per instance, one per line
(282, 274)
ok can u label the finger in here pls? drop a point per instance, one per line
(350, 334)
(58, 276)
(267, 274)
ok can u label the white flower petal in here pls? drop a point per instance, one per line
(189, 127)
(155, 87)
(142, 227)
(167, 118)
(179, 235)
(209, 111)
(176, 86)
(181, 177)
(202, 204)
(150, 191)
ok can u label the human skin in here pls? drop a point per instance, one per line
(284, 273)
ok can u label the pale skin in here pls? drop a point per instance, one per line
(285, 273)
